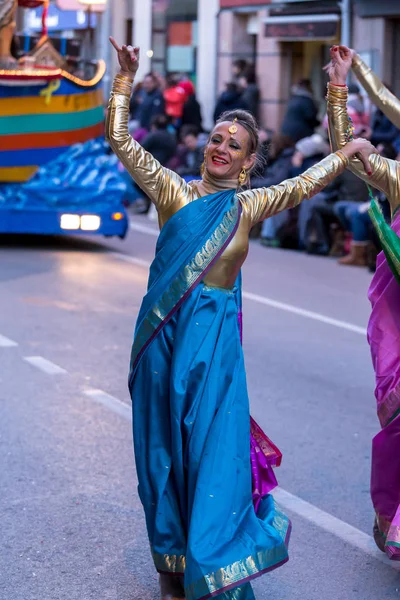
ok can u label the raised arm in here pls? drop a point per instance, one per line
(378, 93)
(384, 173)
(265, 202)
(164, 187)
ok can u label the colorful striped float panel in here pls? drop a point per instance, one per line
(41, 117)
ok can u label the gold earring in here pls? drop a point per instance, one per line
(242, 177)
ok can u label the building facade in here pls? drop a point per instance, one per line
(286, 40)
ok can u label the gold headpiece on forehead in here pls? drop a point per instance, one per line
(233, 128)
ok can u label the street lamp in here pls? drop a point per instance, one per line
(90, 4)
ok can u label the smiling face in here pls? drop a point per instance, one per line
(228, 153)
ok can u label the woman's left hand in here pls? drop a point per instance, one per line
(340, 65)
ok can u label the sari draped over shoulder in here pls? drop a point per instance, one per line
(384, 339)
(204, 466)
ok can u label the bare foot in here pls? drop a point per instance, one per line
(171, 587)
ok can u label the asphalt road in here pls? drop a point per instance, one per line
(71, 523)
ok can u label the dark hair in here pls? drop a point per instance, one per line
(306, 83)
(172, 79)
(189, 130)
(250, 74)
(152, 76)
(246, 119)
(354, 89)
(159, 122)
(388, 151)
(240, 63)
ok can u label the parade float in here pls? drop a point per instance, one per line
(55, 173)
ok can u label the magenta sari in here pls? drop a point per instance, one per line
(384, 339)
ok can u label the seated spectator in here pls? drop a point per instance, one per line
(162, 145)
(191, 114)
(230, 99)
(160, 142)
(355, 218)
(346, 191)
(300, 119)
(383, 130)
(291, 225)
(190, 155)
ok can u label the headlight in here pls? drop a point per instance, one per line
(90, 222)
(70, 221)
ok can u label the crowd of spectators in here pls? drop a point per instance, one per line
(166, 119)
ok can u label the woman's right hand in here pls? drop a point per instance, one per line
(128, 58)
(362, 149)
(340, 65)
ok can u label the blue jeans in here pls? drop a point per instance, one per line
(271, 226)
(353, 220)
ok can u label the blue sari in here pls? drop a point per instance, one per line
(191, 420)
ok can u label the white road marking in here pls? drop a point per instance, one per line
(305, 313)
(144, 229)
(131, 259)
(308, 314)
(6, 342)
(45, 365)
(110, 402)
(333, 525)
(294, 504)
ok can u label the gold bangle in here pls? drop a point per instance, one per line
(124, 78)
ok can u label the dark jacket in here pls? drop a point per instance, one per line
(191, 161)
(276, 171)
(383, 130)
(347, 187)
(300, 119)
(229, 100)
(251, 97)
(150, 106)
(161, 144)
(192, 113)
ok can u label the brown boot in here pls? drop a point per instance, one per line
(171, 587)
(357, 256)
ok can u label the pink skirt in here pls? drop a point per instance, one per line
(384, 340)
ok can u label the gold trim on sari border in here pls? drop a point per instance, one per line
(246, 568)
(388, 409)
(169, 563)
(184, 281)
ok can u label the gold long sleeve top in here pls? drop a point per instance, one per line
(378, 93)
(169, 192)
(385, 172)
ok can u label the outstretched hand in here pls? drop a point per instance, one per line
(128, 58)
(362, 149)
(340, 65)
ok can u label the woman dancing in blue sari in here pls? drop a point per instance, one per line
(204, 467)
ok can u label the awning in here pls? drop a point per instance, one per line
(302, 27)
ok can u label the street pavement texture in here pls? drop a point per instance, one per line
(72, 526)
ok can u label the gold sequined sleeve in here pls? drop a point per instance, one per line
(164, 187)
(265, 202)
(385, 172)
(378, 93)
